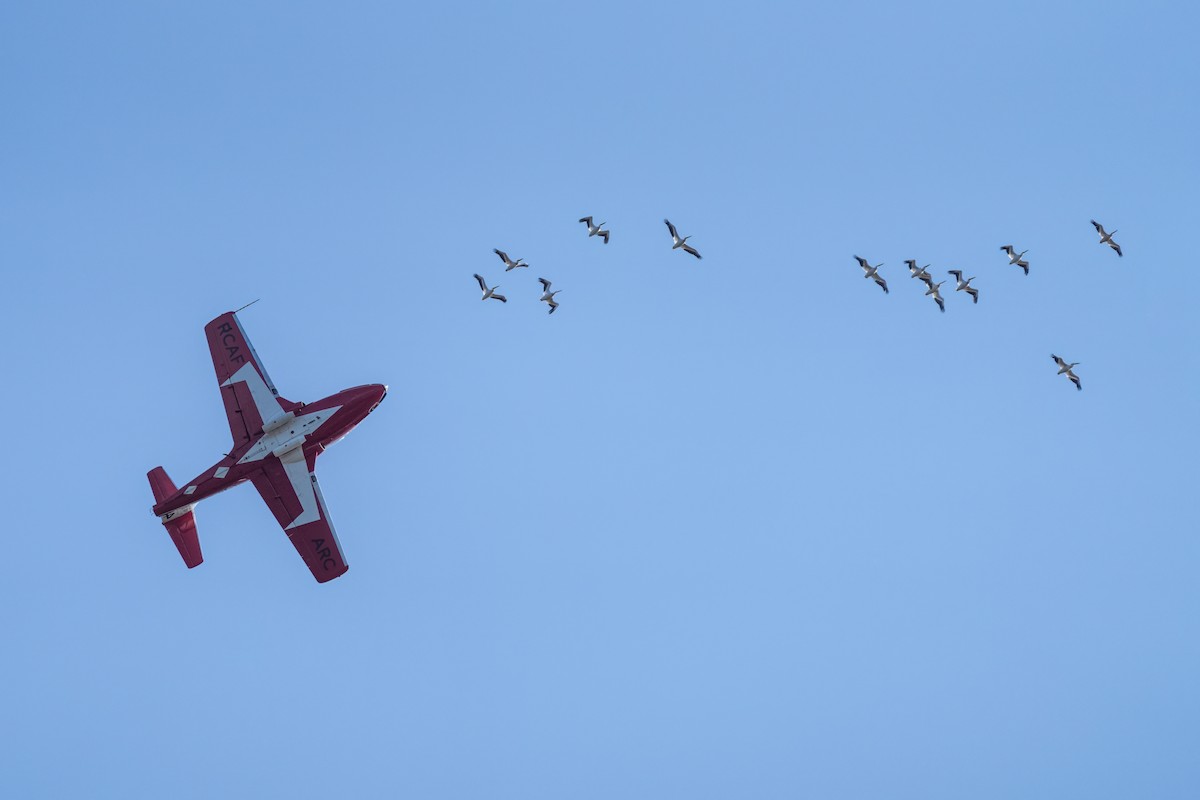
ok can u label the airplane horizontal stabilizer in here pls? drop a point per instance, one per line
(181, 523)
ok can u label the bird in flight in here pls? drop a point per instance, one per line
(872, 272)
(1067, 369)
(1106, 238)
(1015, 258)
(964, 286)
(937, 296)
(678, 242)
(547, 295)
(595, 230)
(490, 293)
(508, 262)
(919, 273)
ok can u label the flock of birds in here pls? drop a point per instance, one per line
(593, 229)
(869, 271)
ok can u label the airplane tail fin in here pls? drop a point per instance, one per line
(181, 523)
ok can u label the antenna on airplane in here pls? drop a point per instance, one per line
(252, 302)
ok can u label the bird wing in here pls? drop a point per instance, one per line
(1075, 381)
(957, 273)
(928, 279)
(588, 220)
(1057, 360)
(941, 304)
(503, 255)
(862, 262)
(671, 228)
(479, 278)
(500, 297)
(1008, 248)
(1116, 247)
(882, 284)
(545, 284)
(974, 294)
(912, 263)
(1099, 228)
(687, 248)
(553, 304)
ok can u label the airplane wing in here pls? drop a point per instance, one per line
(246, 388)
(289, 487)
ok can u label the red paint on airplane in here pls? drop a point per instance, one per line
(275, 446)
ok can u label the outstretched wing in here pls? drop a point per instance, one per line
(957, 273)
(545, 284)
(482, 285)
(671, 228)
(503, 255)
(588, 220)
(687, 248)
(290, 489)
(249, 395)
(862, 262)
(1099, 228)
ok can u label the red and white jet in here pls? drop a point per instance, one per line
(275, 446)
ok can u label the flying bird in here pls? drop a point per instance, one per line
(937, 296)
(547, 295)
(1106, 238)
(594, 230)
(919, 273)
(680, 243)
(1067, 369)
(964, 286)
(1015, 258)
(508, 262)
(873, 272)
(490, 293)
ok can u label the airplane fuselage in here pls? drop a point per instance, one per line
(306, 430)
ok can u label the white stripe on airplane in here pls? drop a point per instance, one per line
(291, 436)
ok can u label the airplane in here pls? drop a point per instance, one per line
(275, 446)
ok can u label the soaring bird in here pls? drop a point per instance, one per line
(594, 230)
(937, 296)
(1106, 238)
(680, 243)
(547, 295)
(508, 262)
(873, 272)
(1067, 369)
(1015, 258)
(964, 286)
(490, 293)
(919, 273)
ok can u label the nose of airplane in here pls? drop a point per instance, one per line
(375, 394)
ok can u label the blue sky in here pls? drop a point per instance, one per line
(737, 527)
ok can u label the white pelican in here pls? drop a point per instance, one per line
(919, 273)
(1015, 258)
(508, 262)
(937, 296)
(1106, 238)
(490, 293)
(1066, 369)
(678, 243)
(964, 286)
(594, 230)
(547, 295)
(873, 272)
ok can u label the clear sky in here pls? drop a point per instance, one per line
(739, 527)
